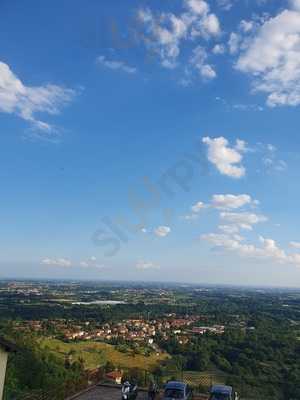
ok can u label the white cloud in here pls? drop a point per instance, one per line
(27, 101)
(84, 264)
(243, 220)
(246, 26)
(162, 231)
(225, 4)
(269, 248)
(57, 262)
(198, 207)
(91, 262)
(229, 229)
(276, 165)
(295, 4)
(230, 201)
(270, 159)
(234, 42)
(272, 56)
(199, 7)
(198, 61)
(202, 22)
(145, 265)
(221, 240)
(219, 49)
(165, 32)
(115, 65)
(195, 209)
(190, 217)
(226, 159)
(222, 202)
(295, 245)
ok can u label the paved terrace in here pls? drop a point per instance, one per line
(110, 392)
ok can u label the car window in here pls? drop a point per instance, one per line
(174, 393)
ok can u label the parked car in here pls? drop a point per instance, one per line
(222, 392)
(177, 390)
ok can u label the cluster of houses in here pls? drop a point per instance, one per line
(136, 330)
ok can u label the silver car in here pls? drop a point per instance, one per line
(176, 390)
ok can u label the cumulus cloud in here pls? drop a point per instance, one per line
(115, 65)
(146, 265)
(27, 101)
(225, 158)
(162, 231)
(57, 262)
(271, 55)
(165, 32)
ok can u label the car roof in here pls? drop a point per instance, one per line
(221, 389)
(175, 385)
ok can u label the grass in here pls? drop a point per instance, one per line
(96, 354)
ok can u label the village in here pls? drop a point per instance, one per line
(129, 330)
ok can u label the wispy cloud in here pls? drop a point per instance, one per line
(115, 65)
(27, 101)
(92, 263)
(162, 231)
(57, 262)
(146, 265)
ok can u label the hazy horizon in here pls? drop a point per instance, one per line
(149, 141)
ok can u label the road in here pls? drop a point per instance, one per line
(105, 393)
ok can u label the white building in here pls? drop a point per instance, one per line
(5, 348)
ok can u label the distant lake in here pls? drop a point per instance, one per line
(101, 302)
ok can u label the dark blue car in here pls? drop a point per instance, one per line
(222, 392)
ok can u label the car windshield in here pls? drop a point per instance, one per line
(174, 393)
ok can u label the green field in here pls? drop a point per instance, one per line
(96, 354)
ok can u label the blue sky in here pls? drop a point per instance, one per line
(200, 99)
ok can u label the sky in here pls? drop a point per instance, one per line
(150, 140)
